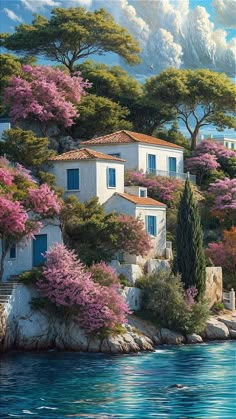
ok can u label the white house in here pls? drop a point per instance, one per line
(226, 141)
(86, 173)
(150, 211)
(141, 152)
(25, 256)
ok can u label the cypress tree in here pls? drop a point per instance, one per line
(190, 258)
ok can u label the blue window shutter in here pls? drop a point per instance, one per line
(112, 178)
(172, 164)
(154, 226)
(151, 224)
(151, 163)
(72, 179)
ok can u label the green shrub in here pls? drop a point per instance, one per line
(165, 303)
(218, 307)
(30, 277)
(124, 280)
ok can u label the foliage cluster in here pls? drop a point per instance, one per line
(66, 283)
(97, 236)
(210, 161)
(223, 253)
(167, 303)
(19, 196)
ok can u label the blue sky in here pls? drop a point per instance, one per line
(178, 33)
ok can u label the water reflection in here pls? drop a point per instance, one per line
(59, 385)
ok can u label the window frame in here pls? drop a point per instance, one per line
(153, 232)
(67, 179)
(151, 169)
(109, 169)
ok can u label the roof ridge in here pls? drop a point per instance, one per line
(131, 136)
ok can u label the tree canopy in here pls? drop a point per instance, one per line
(73, 34)
(198, 97)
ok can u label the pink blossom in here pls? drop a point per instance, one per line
(45, 94)
(224, 192)
(13, 216)
(132, 236)
(65, 282)
(43, 200)
(190, 294)
(6, 176)
(25, 173)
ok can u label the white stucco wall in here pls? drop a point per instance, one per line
(128, 152)
(162, 157)
(102, 190)
(87, 174)
(24, 253)
(158, 242)
(119, 205)
(93, 178)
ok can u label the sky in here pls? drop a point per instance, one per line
(172, 33)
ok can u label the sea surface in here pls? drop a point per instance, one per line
(73, 385)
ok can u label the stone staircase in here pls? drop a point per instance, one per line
(6, 289)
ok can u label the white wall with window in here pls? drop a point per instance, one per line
(146, 157)
(154, 159)
(24, 256)
(153, 217)
(88, 178)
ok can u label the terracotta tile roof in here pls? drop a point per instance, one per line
(84, 154)
(141, 201)
(122, 137)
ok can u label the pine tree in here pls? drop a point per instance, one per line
(190, 257)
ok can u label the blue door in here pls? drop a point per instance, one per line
(39, 247)
(172, 165)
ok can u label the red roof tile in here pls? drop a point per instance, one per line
(122, 137)
(141, 201)
(84, 154)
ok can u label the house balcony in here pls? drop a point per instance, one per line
(176, 175)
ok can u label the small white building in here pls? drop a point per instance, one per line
(86, 173)
(226, 141)
(25, 256)
(150, 211)
(141, 152)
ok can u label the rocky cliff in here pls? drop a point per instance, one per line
(23, 328)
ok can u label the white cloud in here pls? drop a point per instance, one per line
(12, 15)
(225, 12)
(86, 3)
(36, 5)
(177, 35)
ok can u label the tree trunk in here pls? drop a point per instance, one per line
(194, 138)
(3, 255)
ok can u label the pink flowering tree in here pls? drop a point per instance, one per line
(45, 95)
(161, 188)
(66, 283)
(23, 205)
(224, 199)
(104, 274)
(201, 165)
(209, 156)
(132, 236)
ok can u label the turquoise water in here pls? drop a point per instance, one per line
(63, 385)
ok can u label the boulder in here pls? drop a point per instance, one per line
(171, 338)
(215, 330)
(194, 338)
(230, 323)
(232, 333)
(156, 265)
(145, 328)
